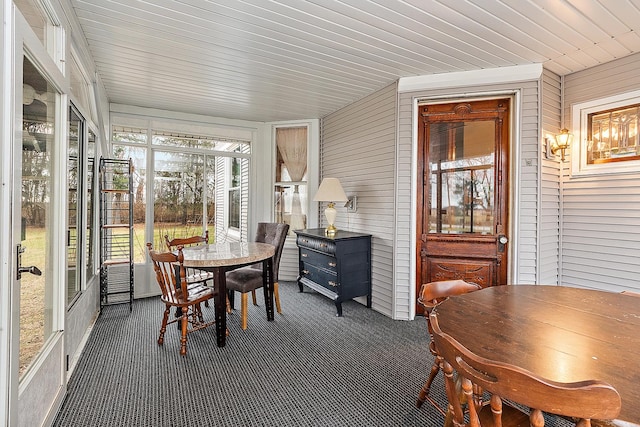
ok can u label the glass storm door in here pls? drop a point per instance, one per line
(39, 258)
(463, 192)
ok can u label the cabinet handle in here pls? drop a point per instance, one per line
(305, 255)
(305, 271)
(332, 283)
(332, 264)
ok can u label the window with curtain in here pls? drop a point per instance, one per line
(291, 176)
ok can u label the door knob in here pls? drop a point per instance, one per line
(31, 269)
(502, 240)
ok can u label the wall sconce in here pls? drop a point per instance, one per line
(352, 204)
(561, 142)
(331, 191)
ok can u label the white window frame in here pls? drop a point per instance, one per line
(228, 173)
(579, 116)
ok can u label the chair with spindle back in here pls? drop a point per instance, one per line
(581, 401)
(176, 292)
(431, 294)
(193, 274)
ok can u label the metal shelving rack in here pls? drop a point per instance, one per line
(116, 232)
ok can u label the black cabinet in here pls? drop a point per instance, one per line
(338, 267)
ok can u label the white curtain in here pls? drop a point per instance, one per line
(292, 146)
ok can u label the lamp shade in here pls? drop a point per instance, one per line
(330, 190)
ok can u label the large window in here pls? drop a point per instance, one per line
(80, 203)
(39, 141)
(194, 175)
(180, 195)
(74, 216)
(127, 144)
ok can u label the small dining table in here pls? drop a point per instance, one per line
(560, 333)
(218, 258)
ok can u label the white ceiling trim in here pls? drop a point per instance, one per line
(516, 73)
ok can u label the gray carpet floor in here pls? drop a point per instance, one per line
(306, 368)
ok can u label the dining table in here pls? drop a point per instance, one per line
(561, 333)
(218, 258)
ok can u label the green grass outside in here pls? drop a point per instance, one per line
(32, 288)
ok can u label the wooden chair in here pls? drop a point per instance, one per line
(193, 274)
(248, 279)
(186, 297)
(580, 401)
(430, 295)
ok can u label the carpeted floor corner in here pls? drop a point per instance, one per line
(306, 368)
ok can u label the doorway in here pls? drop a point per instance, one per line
(462, 215)
(36, 382)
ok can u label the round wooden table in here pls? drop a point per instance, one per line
(561, 333)
(219, 258)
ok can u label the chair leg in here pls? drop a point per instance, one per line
(276, 296)
(244, 307)
(253, 297)
(183, 339)
(229, 308)
(163, 327)
(427, 385)
(198, 312)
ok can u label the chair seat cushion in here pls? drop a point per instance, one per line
(245, 279)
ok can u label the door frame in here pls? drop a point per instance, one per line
(7, 393)
(512, 226)
(34, 398)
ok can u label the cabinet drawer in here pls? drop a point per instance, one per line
(325, 278)
(319, 260)
(320, 245)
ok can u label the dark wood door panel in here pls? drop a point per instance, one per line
(467, 247)
(476, 271)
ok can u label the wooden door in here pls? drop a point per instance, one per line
(463, 192)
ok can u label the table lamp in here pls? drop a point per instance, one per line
(330, 191)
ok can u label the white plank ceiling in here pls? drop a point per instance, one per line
(268, 60)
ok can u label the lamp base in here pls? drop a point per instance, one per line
(330, 212)
(330, 231)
